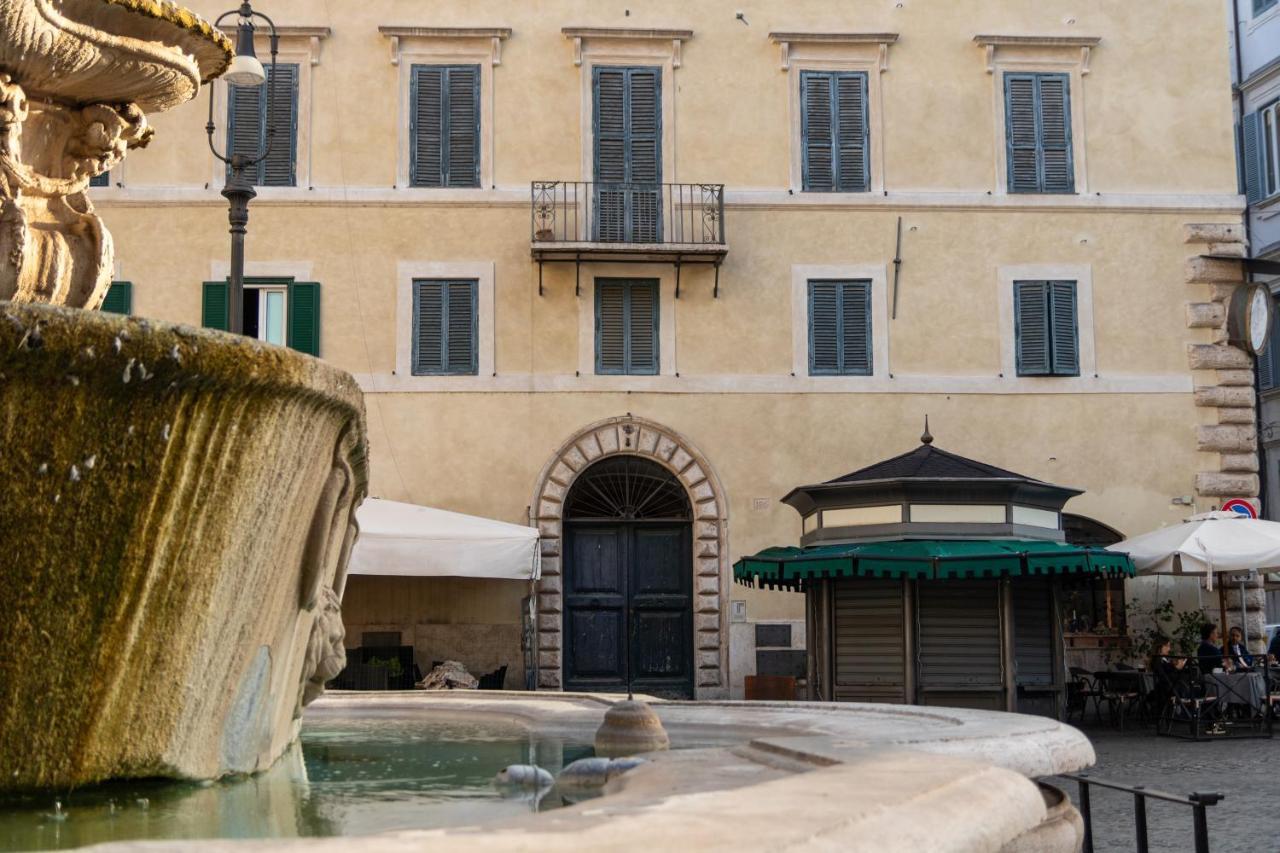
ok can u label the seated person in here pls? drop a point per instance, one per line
(1237, 654)
(1209, 655)
(1273, 651)
(1170, 674)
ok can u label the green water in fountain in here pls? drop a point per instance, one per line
(350, 777)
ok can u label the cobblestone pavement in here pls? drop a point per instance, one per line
(1246, 771)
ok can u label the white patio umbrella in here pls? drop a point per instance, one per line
(1211, 544)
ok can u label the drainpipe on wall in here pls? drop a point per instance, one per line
(1237, 93)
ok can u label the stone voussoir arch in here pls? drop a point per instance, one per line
(638, 437)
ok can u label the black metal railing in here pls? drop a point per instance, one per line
(1198, 802)
(597, 212)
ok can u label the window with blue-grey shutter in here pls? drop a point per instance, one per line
(119, 298)
(1046, 328)
(627, 138)
(1037, 110)
(444, 126)
(251, 109)
(1251, 157)
(444, 327)
(1269, 359)
(103, 180)
(626, 326)
(834, 131)
(840, 328)
(1260, 6)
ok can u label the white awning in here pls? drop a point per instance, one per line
(418, 541)
(1213, 543)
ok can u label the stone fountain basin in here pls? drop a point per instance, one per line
(153, 53)
(176, 510)
(812, 776)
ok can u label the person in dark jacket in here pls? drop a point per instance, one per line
(1237, 653)
(1209, 654)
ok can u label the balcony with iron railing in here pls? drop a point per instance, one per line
(582, 221)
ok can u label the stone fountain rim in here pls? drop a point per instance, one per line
(129, 342)
(170, 12)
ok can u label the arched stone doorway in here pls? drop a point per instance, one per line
(708, 564)
(628, 580)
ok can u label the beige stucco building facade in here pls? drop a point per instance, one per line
(735, 408)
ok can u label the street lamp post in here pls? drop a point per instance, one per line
(245, 71)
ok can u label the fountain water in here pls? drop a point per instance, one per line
(176, 505)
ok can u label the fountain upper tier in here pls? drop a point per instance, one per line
(152, 53)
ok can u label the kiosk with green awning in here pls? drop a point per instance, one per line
(932, 579)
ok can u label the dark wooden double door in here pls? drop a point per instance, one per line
(628, 607)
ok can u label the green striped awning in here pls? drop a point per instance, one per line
(926, 559)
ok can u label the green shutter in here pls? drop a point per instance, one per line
(119, 299)
(278, 169)
(445, 327)
(247, 115)
(840, 328)
(1031, 327)
(444, 126)
(816, 131)
(428, 326)
(611, 335)
(303, 305)
(1038, 133)
(1063, 326)
(824, 326)
(1252, 152)
(855, 328)
(642, 328)
(215, 305)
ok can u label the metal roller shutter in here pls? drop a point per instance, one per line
(870, 632)
(960, 635)
(1032, 631)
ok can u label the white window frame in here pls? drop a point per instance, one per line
(298, 46)
(877, 274)
(1270, 142)
(667, 366)
(1038, 55)
(867, 53)
(260, 290)
(412, 46)
(482, 272)
(1082, 275)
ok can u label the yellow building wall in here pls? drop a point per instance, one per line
(1156, 136)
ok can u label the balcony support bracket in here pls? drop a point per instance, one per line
(677, 278)
(577, 276)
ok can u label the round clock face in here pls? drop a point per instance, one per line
(1259, 318)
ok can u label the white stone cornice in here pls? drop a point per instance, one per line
(785, 40)
(581, 35)
(495, 35)
(990, 43)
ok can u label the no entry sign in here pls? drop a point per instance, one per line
(1241, 507)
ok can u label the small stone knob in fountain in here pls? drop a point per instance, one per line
(630, 727)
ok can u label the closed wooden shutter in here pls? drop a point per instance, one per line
(303, 332)
(1267, 360)
(852, 174)
(119, 298)
(959, 634)
(1252, 152)
(870, 630)
(445, 327)
(215, 306)
(1032, 631)
(278, 169)
(840, 328)
(627, 123)
(1064, 328)
(834, 131)
(1031, 327)
(247, 117)
(627, 327)
(1038, 133)
(444, 126)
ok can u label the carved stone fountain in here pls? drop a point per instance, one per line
(176, 505)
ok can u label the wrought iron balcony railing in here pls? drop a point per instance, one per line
(579, 221)
(676, 215)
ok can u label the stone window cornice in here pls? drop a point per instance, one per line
(583, 35)
(785, 41)
(494, 35)
(993, 43)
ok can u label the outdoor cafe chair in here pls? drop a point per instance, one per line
(1081, 689)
